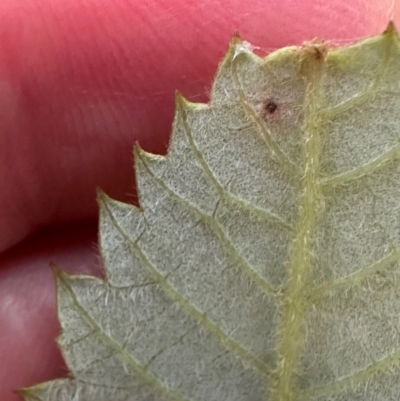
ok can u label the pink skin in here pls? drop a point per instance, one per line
(80, 82)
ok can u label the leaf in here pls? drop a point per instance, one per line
(263, 263)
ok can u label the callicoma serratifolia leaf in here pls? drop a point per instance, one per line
(263, 263)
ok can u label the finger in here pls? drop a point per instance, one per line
(81, 82)
(28, 323)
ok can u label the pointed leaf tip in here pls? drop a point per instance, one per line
(102, 197)
(137, 150)
(391, 29)
(58, 273)
(56, 269)
(23, 392)
(236, 38)
(180, 100)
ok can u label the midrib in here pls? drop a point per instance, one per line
(289, 342)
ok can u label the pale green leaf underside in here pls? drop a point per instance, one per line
(264, 261)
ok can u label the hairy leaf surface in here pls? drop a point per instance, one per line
(263, 263)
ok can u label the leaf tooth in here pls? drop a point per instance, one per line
(150, 157)
(68, 389)
(122, 268)
(388, 40)
(391, 31)
(44, 391)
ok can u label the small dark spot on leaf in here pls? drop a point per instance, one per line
(270, 106)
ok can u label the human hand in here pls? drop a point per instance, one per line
(80, 83)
